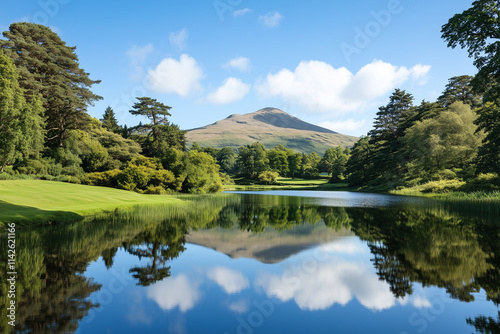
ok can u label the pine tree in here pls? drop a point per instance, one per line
(109, 120)
(49, 67)
(384, 158)
(459, 89)
(160, 134)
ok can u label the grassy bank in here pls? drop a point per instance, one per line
(455, 196)
(30, 202)
(292, 184)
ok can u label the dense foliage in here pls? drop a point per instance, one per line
(45, 129)
(446, 145)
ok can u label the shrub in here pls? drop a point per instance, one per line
(155, 190)
(69, 179)
(444, 174)
(103, 179)
(439, 187)
(268, 177)
(483, 182)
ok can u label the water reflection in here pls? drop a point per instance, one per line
(303, 252)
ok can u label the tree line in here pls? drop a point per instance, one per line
(45, 129)
(450, 144)
(257, 164)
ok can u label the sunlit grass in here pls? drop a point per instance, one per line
(291, 181)
(36, 200)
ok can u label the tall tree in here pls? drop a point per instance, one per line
(448, 141)
(489, 152)
(252, 160)
(160, 134)
(49, 67)
(109, 120)
(358, 165)
(477, 29)
(389, 126)
(21, 123)
(226, 158)
(459, 89)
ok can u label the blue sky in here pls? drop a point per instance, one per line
(331, 63)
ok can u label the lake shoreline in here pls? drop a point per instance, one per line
(33, 203)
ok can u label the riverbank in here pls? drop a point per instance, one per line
(32, 202)
(455, 196)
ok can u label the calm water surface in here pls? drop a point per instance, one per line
(266, 262)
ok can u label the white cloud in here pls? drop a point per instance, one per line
(179, 39)
(343, 126)
(332, 283)
(240, 306)
(175, 292)
(271, 19)
(420, 302)
(172, 76)
(319, 87)
(232, 90)
(241, 12)
(230, 280)
(420, 72)
(344, 246)
(137, 56)
(239, 63)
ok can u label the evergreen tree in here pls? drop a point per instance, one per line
(358, 165)
(489, 152)
(477, 29)
(21, 123)
(160, 134)
(109, 120)
(459, 89)
(389, 126)
(50, 68)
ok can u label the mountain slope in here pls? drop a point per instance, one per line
(270, 127)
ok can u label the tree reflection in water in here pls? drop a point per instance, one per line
(433, 246)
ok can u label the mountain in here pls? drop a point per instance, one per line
(270, 127)
(269, 246)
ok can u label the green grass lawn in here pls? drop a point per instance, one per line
(25, 200)
(292, 184)
(290, 181)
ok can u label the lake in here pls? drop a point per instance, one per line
(264, 262)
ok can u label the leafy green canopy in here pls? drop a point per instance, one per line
(159, 135)
(21, 123)
(50, 68)
(477, 29)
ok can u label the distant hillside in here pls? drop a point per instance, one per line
(270, 127)
(269, 246)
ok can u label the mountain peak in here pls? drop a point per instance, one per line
(271, 127)
(270, 110)
(281, 119)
